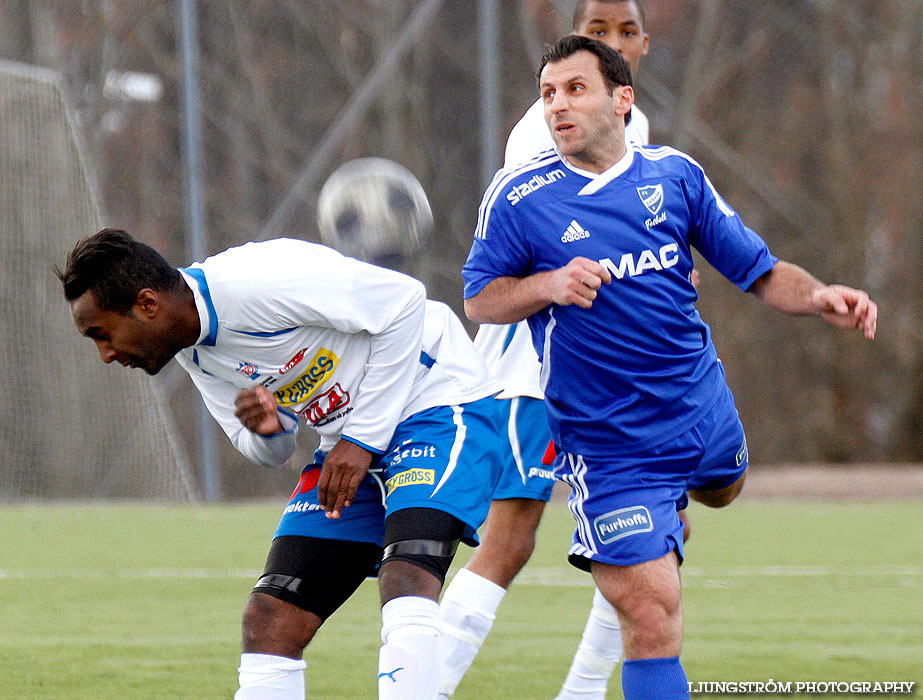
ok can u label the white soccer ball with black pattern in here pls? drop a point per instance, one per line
(376, 210)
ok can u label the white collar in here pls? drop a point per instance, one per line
(599, 180)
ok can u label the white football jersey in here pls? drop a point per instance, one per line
(508, 349)
(352, 348)
(531, 135)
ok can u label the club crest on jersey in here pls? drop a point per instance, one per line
(248, 369)
(622, 523)
(652, 197)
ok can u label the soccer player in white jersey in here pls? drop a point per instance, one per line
(274, 332)
(471, 599)
(598, 260)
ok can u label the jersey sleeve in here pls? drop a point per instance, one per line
(718, 233)
(218, 395)
(498, 249)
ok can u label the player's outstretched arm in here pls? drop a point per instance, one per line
(512, 299)
(793, 290)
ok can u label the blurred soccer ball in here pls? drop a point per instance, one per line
(376, 210)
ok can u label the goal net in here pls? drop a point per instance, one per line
(70, 427)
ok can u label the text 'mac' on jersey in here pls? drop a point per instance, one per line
(639, 366)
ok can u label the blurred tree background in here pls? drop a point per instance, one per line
(804, 113)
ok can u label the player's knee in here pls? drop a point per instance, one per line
(414, 568)
(501, 562)
(257, 620)
(519, 553)
(652, 624)
(420, 544)
(267, 627)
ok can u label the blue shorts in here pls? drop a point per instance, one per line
(524, 475)
(447, 458)
(626, 507)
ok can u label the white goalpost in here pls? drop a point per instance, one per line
(70, 427)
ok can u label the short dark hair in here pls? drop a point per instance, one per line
(115, 267)
(580, 10)
(614, 68)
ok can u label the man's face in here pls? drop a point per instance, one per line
(619, 25)
(583, 116)
(134, 339)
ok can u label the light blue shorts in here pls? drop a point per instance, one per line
(447, 458)
(527, 438)
(626, 507)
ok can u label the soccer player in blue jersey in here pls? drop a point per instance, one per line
(472, 598)
(284, 332)
(598, 260)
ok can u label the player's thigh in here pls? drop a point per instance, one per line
(420, 544)
(446, 459)
(315, 563)
(626, 508)
(525, 439)
(508, 539)
(511, 521)
(643, 586)
(314, 574)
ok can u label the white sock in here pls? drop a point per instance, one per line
(408, 663)
(468, 609)
(268, 677)
(599, 651)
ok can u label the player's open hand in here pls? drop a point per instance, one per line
(344, 469)
(257, 411)
(845, 307)
(577, 282)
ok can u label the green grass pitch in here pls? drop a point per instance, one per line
(142, 601)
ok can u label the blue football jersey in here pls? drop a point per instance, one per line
(639, 366)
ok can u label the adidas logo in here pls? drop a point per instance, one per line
(574, 232)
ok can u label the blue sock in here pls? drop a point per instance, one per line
(654, 679)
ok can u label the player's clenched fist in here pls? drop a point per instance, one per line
(257, 411)
(577, 282)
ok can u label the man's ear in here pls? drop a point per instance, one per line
(624, 98)
(147, 304)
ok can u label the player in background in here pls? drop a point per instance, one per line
(641, 416)
(277, 331)
(620, 25)
(471, 599)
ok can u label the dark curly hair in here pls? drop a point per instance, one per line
(115, 267)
